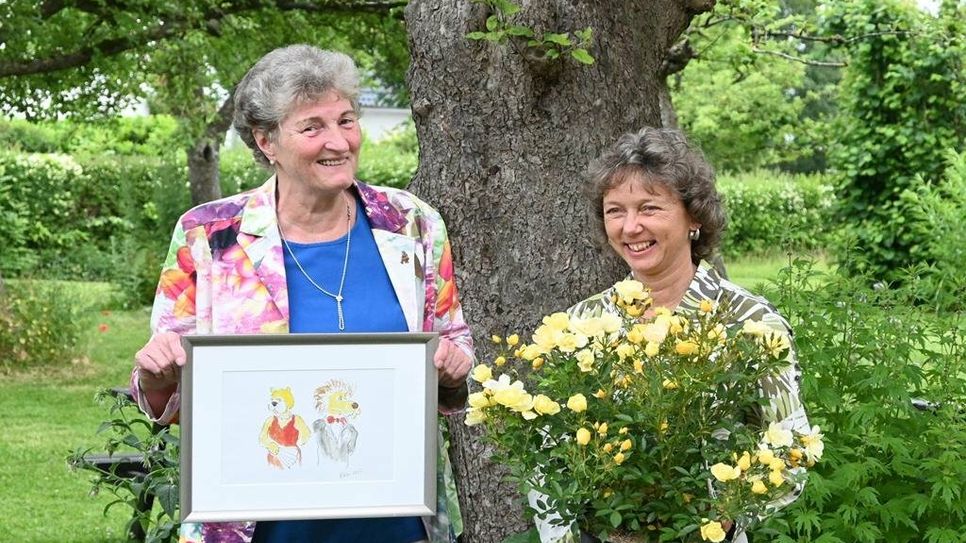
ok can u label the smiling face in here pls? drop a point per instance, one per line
(317, 146)
(647, 225)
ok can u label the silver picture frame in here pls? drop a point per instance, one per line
(367, 402)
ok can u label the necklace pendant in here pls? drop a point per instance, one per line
(338, 298)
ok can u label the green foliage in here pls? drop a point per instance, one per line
(128, 430)
(500, 27)
(769, 210)
(936, 224)
(902, 108)
(41, 325)
(755, 95)
(392, 160)
(890, 472)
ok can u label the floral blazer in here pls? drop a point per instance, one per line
(225, 274)
(782, 390)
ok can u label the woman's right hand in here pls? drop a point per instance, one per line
(159, 362)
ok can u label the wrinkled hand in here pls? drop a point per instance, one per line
(159, 362)
(452, 364)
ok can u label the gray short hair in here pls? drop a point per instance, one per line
(660, 155)
(284, 79)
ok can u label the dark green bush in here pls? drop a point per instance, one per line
(391, 161)
(41, 324)
(769, 210)
(901, 109)
(891, 472)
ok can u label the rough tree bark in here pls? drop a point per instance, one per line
(503, 139)
(204, 179)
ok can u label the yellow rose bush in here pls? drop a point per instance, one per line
(642, 425)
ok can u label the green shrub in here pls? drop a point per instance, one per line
(152, 135)
(890, 472)
(767, 210)
(391, 161)
(41, 323)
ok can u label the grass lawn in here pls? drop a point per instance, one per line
(48, 414)
(753, 271)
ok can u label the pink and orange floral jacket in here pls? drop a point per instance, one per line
(224, 274)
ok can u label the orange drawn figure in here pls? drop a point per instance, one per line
(283, 432)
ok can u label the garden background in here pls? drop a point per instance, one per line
(837, 129)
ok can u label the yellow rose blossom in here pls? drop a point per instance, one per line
(652, 349)
(745, 461)
(529, 415)
(619, 458)
(482, 373)
(607, 447)
(765, 456)
(813, 443)
(662, 312)
(622, 431)
(496, 339)
(499, 361)
(636, 334)
(585, 360)
(638, 365)
(625, 350)
(776, 479)
(512, 340)
(611, 323)
(577, 403)
(545, 406)
(656, 332)
(706, 306)
(686, 348)
(474, 417)
(775, 343)
(600, 394)
(530, 352)
(678, 324)
(724, 472)
(758, 487)
(583, 436)
(558, 321)
(776, 464)
(755, 328)
(602, 429)
(776, 436)
(537, 363)
(478, 400)
(546, 337)
(664, 425)
(630, 291)
(626, 445)
(712, 531)
(568, 343)
(669, 384)
(795, 456)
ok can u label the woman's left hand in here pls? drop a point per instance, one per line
(452, 364)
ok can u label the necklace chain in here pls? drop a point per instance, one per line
(345, 265)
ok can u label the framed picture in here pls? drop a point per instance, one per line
(308, 426)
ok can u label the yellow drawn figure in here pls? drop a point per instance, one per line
(284, 432)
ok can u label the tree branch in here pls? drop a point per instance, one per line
(169, 29)
(809, 62)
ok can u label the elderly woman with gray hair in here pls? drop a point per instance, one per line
(652, 200)
(312, 250)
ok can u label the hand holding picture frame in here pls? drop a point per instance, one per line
(308, 426)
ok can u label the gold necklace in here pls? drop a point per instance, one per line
(345, 265)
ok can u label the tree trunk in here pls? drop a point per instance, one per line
(203, 176)
(504, 139)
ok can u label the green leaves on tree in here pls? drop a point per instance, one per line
(545, 45)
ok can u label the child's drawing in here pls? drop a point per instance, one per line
(334, 432)
(283, 432)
